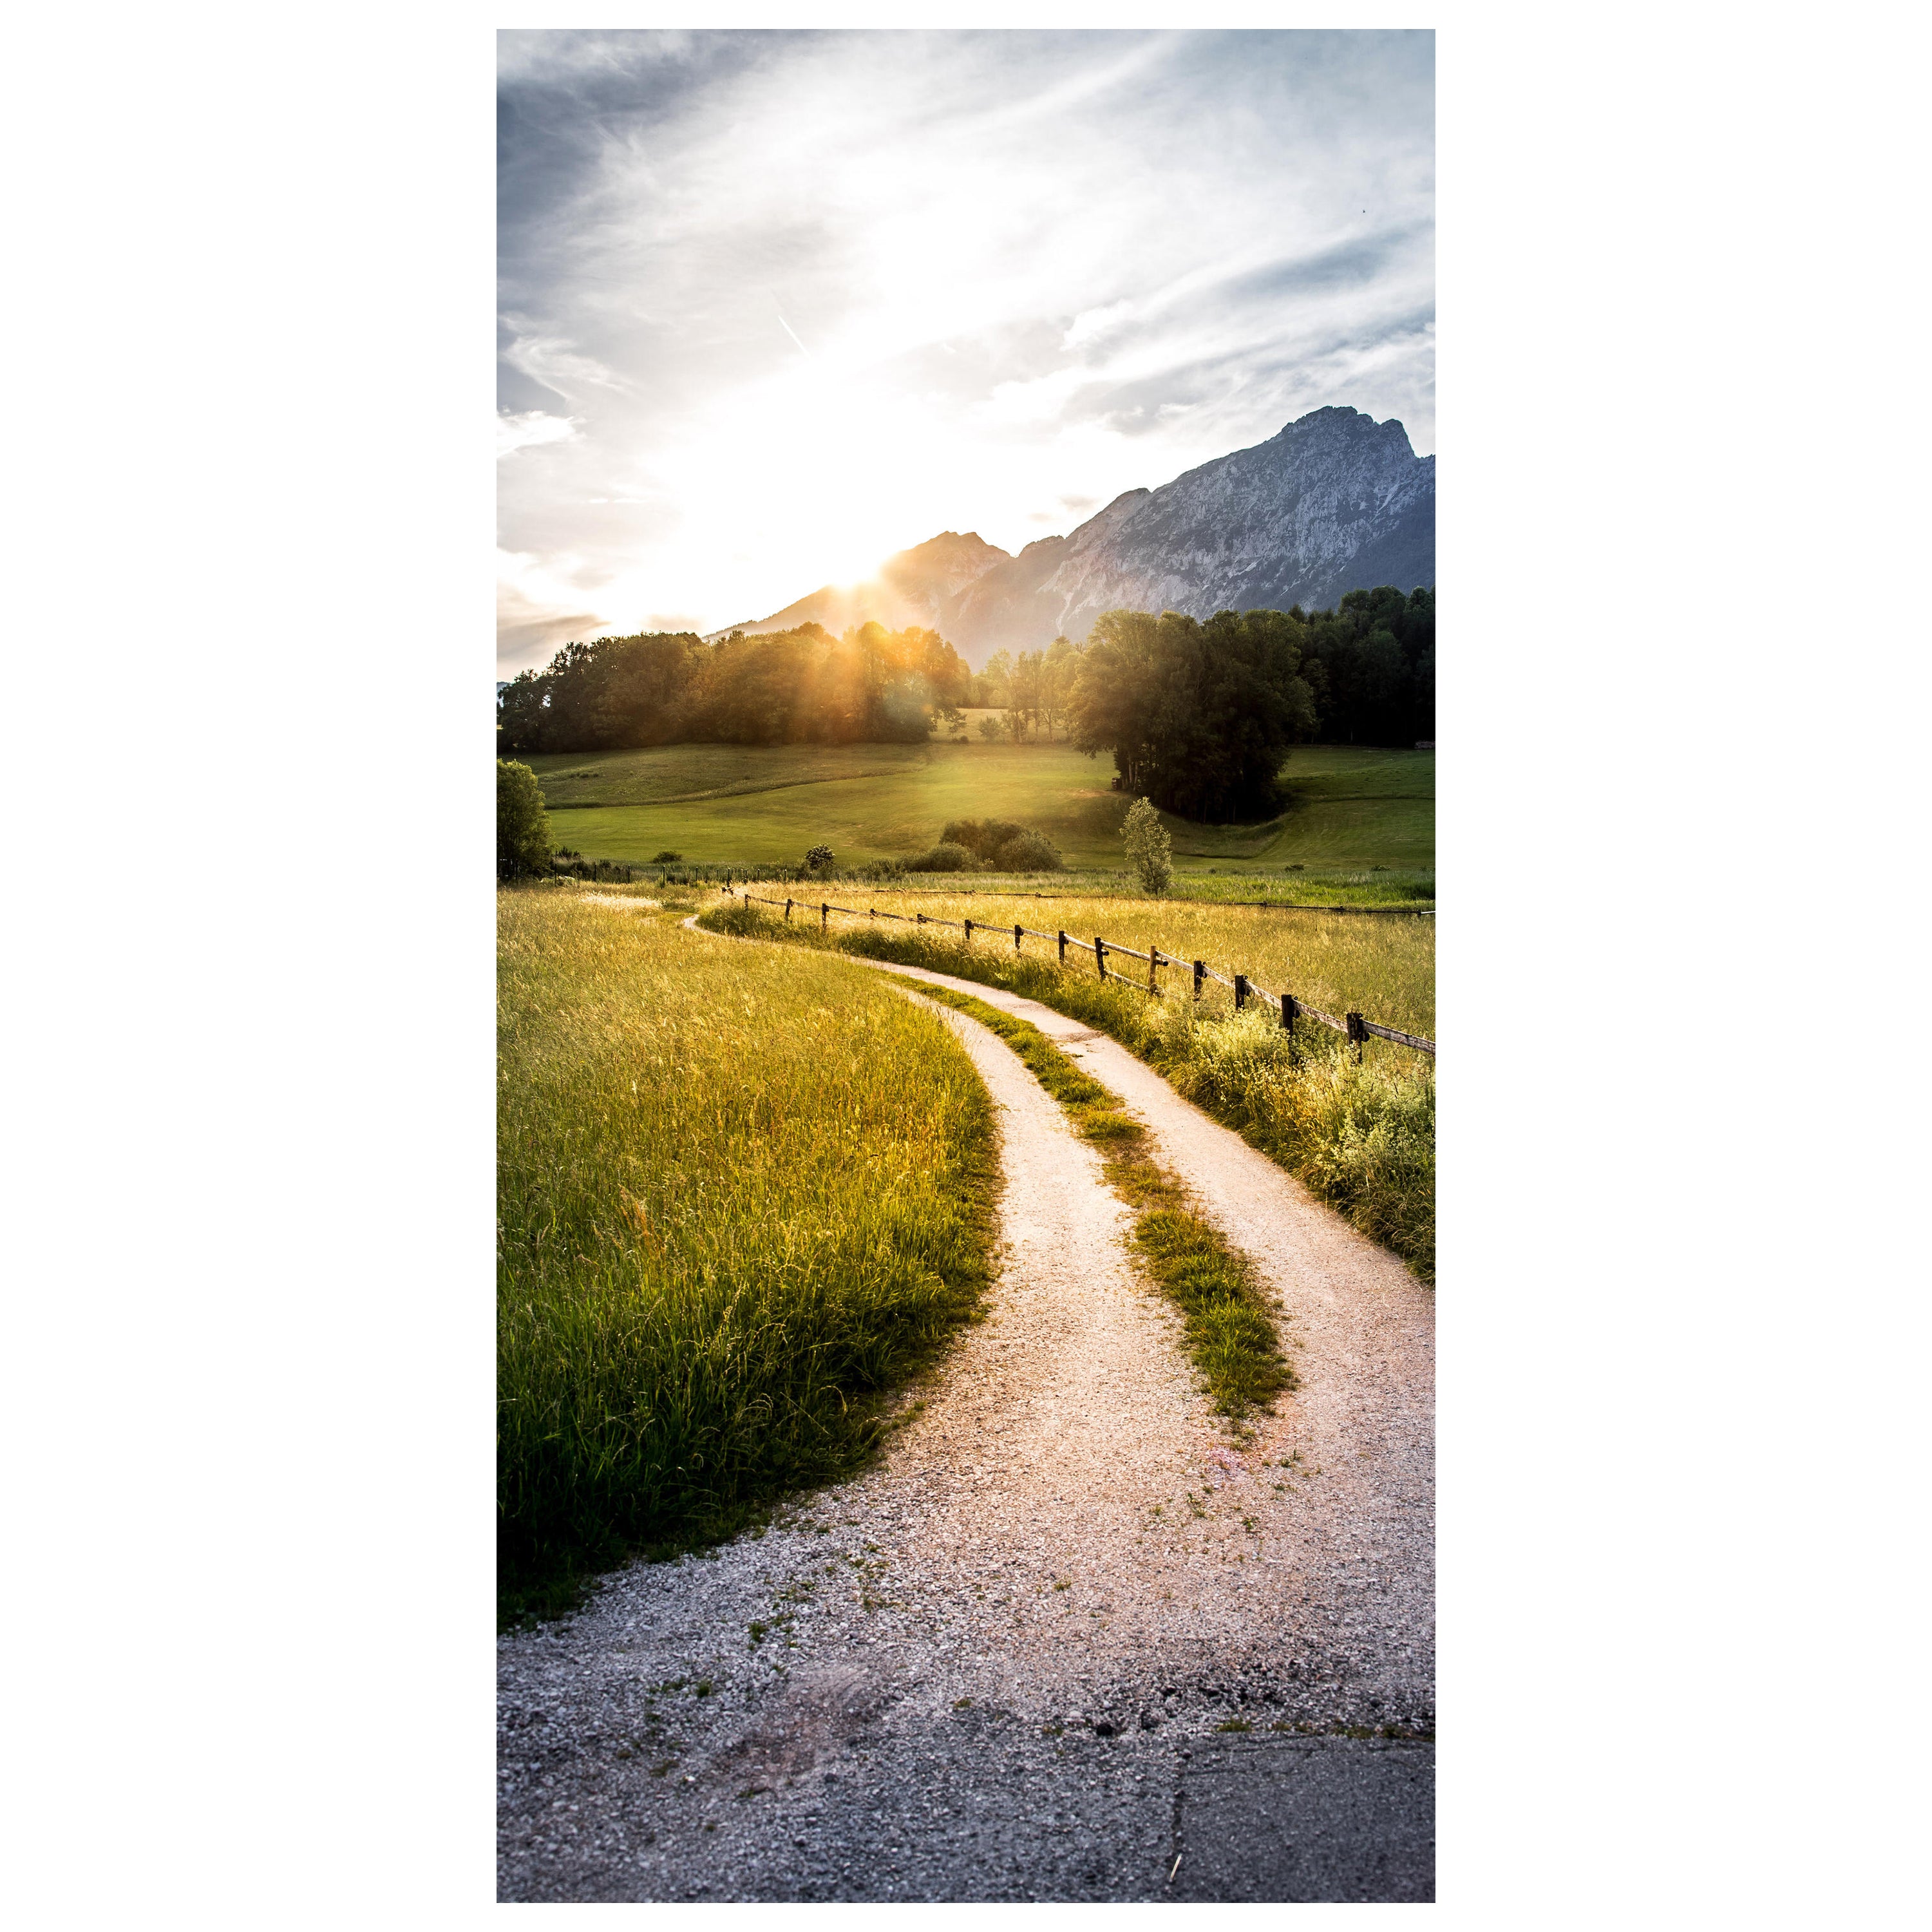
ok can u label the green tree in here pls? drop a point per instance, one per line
(1198, 717)
(522, 825)
(1150, 850)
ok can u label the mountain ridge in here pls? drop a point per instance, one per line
(1333, 502)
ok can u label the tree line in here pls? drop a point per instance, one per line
(777, 688)
(1199, 716)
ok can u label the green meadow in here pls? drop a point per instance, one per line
(1350, 808)
(1361, 1134)
(743, 1194)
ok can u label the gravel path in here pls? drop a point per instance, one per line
(988, 1667)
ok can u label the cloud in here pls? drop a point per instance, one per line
(1033, 268)
(521, 432)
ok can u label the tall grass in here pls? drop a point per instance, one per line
(1362, 1136)
(1383, 965)
(742, 1197)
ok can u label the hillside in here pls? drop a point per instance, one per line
(912, 587)
(1350, 807)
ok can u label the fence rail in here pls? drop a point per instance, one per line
(1272, 905)
(1291, 1009)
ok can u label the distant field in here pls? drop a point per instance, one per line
(1350, 807)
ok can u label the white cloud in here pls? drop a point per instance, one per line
(1238, 226)
(532, 427)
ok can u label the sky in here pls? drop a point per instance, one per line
(773, 305)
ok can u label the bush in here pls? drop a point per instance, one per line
(819, 859)
(946, 856)
(664, 858)
(522, 825)
(1005, 846)
(981, 837)
(1150, 850)
(1029, 852)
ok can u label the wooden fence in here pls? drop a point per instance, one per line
(1271, 905)
(1292, 1009)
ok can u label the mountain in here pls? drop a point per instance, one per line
(912, 587)
(1336, 501)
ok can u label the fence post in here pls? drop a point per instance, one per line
(1240, 991)
(1358, 1033)
(1200, 973)
(922, 919)
(969, 932)
(1154, 956)
(787, 909)
(824, 916)
(1100, 955)
(1290, 1006)
(1016, 938)
(1063, 946)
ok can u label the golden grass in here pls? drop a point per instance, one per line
(1381, 965)
(742, 1195)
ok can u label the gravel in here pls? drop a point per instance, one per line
(996, 1665)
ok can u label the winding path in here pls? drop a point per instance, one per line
(1013, 1659)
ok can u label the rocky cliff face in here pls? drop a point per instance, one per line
(1336, 502)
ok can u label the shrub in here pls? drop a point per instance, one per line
(522, 825)
(664, 858)
(990, 728)
(946, 856)
(1029, 852)
(1004, 845)
(818, 859)
(1150, 850)
(980, 837)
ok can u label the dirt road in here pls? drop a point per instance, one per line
(1065, 1616)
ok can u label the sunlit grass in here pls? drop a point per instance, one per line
(743, 1194)
(1362, 1136)
(1382, 966)
(1348, 806)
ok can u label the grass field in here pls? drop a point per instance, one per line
(1361, 1136)
(743, 1194)
(1350, 808)
(1382, 967)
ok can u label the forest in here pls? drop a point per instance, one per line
(801, 687)
(1199, 716)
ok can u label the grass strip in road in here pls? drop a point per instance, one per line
(1230, 1335)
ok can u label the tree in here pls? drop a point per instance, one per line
(1150, 850)
(773, 687)
(1059, 667)
(1198, 717)
(522, 825)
